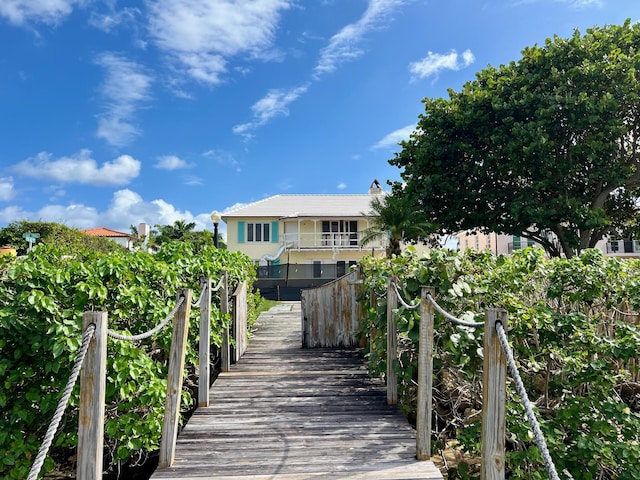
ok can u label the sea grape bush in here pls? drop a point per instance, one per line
(577, 352)
(42, 298)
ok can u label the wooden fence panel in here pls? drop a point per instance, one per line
(239, 321)
(331, 314)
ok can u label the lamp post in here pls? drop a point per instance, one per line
(215, 218)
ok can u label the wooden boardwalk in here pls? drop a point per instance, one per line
(288, 413)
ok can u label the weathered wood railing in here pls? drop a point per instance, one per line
(93, 372)
(331, 313)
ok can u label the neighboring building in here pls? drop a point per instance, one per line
(301, 241)
(496, 243)
(125, 239)
(121, 238)
(501, 244)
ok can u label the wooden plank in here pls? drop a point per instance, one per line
(290, 414)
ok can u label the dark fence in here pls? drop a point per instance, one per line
(285, 281)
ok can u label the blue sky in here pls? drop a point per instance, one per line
(116, 112)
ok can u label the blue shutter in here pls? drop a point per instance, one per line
(274, 232)
(240, 232)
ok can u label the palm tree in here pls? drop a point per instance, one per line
(394, 218)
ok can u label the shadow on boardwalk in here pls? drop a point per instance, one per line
(288, 413)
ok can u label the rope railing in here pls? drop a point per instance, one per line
(498, 356)
(201, 296)
(90, 436)
(405, 304)
(134, 338)
(62, 404)
(524, 398)
(453, 319)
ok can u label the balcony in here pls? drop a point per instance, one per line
(329, 241)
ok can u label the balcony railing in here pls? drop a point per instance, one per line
(329, 241)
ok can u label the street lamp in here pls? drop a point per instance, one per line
(215, 218)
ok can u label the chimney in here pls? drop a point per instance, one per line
(144, 230)
(375, 188)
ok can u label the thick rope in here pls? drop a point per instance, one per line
(157, 328)
(219, 286)
(531, 416)
(62, 404)
(204, 289)
(455, 320)
(401, 300)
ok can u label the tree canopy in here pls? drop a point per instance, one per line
(66, 238)
(185, 232)
(392, 218)
(546, 147)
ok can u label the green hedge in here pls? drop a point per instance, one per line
(42, 298)
(577, 353)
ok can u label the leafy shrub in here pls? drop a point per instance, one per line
(576, 352)
(42, 298)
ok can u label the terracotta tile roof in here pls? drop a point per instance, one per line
(105, 232)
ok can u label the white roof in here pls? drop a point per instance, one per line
(305, 205)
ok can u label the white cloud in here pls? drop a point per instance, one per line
(125, 88)
(6, 188)
(50, 12)
(434, 63)
(202, 34)
(274, 103)
(113, 19)
(341, 186)
(343, 46)
(171, 162)
(126, 208)
(392, 139)
(79, 168)
(223, 157)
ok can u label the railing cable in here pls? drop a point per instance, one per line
(204, 289)
(455, 320)
(531, 416)
(401, 300)
(219, 285)
(157, 328)
(62, 404)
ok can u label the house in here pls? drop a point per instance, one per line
(125, 239)
(502, 244)
(304, 240)
(121, 238)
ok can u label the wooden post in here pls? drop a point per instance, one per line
(93, 378)
(174, 380)
(225, 349)
(493, 398)
(425, 376)
(392, 343)
(205, 344)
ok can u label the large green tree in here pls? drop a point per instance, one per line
(546, 147)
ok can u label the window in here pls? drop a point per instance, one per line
(258, 232)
